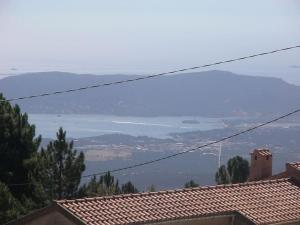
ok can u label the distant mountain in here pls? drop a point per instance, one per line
(212, 93)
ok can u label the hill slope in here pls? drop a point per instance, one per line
(212, 93)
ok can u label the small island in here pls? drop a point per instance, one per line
(191, 121)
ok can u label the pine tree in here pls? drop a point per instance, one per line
(10, 208)
(18, 144)
(191, 184)
(105, 186)
(22, 163)
(61, 167)
(128, 188)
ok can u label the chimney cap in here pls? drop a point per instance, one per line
(262, 152)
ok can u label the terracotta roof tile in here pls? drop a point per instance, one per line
(263, 202)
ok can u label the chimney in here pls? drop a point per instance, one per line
(261, 164)
(293, 170)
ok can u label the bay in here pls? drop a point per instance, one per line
(88, 125)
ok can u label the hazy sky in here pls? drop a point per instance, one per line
(148, 36)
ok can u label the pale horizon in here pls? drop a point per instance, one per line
(143, 37)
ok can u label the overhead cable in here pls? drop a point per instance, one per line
(151, 76)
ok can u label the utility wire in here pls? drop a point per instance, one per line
(186, 151)
(152, 76)
(199, 147)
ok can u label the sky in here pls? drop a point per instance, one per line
(148, 36)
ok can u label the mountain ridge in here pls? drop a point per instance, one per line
(211, 93)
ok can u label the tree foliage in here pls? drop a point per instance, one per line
(191, 184)
(222, 176)
(10, 208)
(237, 171)
(18, 145)
(151, 188)
(31, 177)
(61, 167)
(128, 188)
(106, 185)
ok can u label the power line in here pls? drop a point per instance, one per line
(199, 147)
(152, 76)
(186, 151)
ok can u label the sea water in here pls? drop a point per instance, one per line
(94, 125)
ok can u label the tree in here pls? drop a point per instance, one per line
(105, 186)
(34, 171)
(17, 145)
(128, 188)
(108, 185)
(89, 190)
(61, 167)
(10, 208)
(237, 171)
(151, 188)
(191, 184)
(222, 176)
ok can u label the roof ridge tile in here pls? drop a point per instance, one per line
(183, 190)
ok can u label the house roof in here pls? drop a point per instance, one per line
(262, 202)
(281, 175)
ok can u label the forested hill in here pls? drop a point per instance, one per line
(212, 93)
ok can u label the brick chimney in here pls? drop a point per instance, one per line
(293, 170)
(261, 164)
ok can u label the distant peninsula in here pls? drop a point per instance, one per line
(208, 94)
